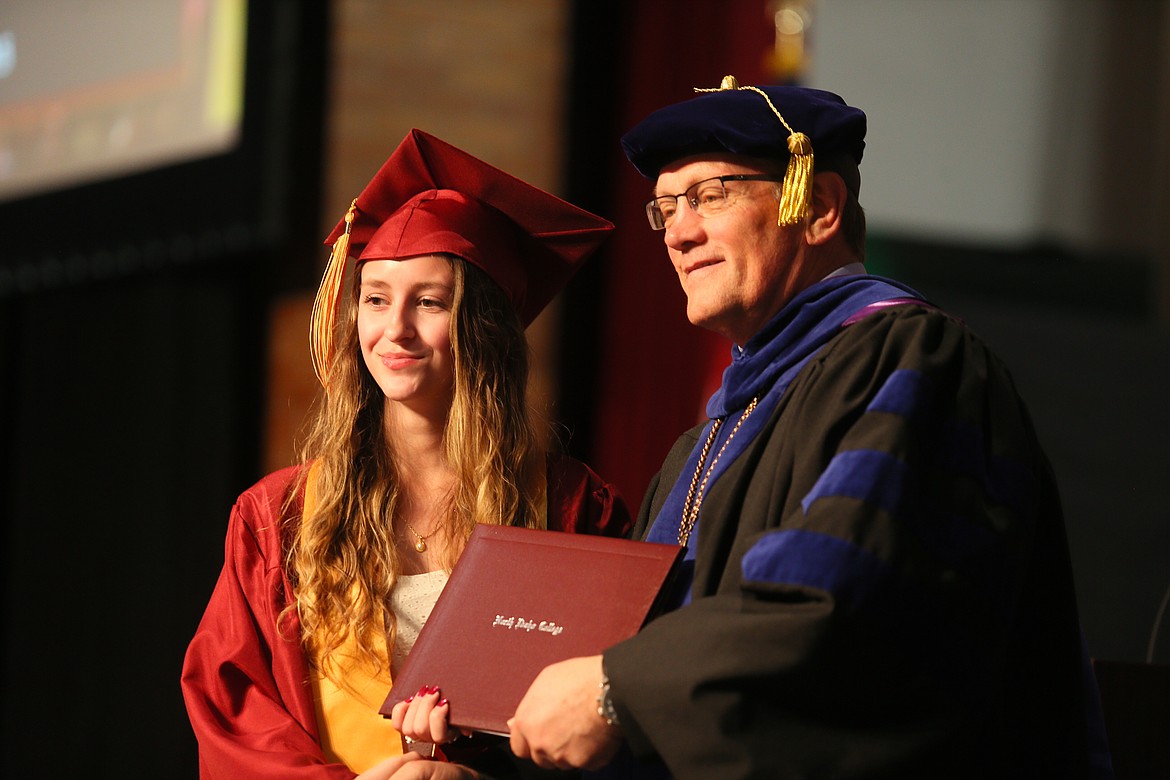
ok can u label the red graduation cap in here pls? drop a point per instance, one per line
(430, 197)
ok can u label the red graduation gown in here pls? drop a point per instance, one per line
(246, 683)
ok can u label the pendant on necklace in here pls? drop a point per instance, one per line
(421, 545)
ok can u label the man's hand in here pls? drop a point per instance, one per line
(556, 724)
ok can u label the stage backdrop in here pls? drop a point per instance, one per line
(654, 370)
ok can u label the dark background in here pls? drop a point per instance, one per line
(133, 324)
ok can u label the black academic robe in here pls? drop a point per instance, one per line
(882, 585)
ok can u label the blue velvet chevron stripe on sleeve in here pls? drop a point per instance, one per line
(937, 515)
(867, 475)
(959, 447)
(815, 560)
(906, 393)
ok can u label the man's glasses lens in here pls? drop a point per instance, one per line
(706, 198)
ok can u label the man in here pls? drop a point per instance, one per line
(878, 582)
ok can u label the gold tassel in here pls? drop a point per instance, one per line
(325, 306)
(796, 192)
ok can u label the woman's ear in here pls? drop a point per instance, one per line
(828, 202)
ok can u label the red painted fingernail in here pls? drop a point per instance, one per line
(423, 691)
(409, 699)
(433, 689)
(442, 703)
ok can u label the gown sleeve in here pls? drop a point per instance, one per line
(244, 680)
(882, 585)
(580, 501)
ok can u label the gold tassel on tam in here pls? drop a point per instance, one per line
(796, 191)
(796, 195)
(325, 306)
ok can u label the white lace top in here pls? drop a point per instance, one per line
(413, 599)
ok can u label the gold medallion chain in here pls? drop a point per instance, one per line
(694, 500)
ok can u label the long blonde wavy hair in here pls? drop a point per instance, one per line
(342, 556)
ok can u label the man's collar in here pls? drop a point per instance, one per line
(852, 269)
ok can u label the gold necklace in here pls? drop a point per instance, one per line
(694, 500)
(421, 541)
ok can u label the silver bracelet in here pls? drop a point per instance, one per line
(605, 703)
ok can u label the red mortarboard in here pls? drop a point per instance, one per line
(430, 197)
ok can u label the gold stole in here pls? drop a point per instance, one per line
(352, 731)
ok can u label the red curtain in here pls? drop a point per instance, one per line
(657, 368)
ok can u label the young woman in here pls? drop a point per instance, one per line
(423, 431)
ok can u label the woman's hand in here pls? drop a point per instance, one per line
(423, 717)
(434, 770)
(412, 766)
(389, 768)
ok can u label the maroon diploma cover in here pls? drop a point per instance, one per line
(520, 599)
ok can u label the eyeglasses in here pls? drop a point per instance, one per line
(706, 198)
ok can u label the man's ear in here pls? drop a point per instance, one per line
(828, 202)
